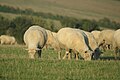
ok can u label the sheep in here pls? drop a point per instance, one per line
(5, 39)
(71, 39)
(54, 34)
(58, 45)
(116, 42)
(53, 42)
(105, 38)
(96, 35)
(35, 38)
(93, 45)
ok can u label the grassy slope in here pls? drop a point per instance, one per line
(9, 15)
(91, 9)
(15, 65)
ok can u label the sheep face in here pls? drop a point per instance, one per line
(96, 54)
(31, 53)
(87, 55)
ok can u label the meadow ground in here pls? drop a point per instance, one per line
(84, 9)
(15, 65)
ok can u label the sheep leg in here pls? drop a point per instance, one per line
(115, 53)
(66, 53)
(39, 53)
(59, 55)
(76, 56)
(69, 54)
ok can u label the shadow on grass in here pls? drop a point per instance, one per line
(109, 58)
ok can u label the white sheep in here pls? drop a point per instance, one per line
(105, 38)
(35, 38)
(53, 42)
(93, 45)
(96, 35)
(5, 39)
(71, 39)
(116, 42)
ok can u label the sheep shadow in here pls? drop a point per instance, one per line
(109, 58)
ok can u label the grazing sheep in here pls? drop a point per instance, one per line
(58, 45)
(54, 34)
(116, 42)
(5, 39)
(93, 45)
(71, 39)
(105, 38)
(35, 38)
(96, 35)
(53, 42)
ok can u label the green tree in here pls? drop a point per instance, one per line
(89, 25)
(105, 22)
(4, 24)
(21, 25)
(48, 24)
(56, 25)
(38, 21)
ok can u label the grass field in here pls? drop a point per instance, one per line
(10, 16)
(15, 65)
(90, 9)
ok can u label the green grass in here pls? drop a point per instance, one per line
(15, 65)
(90, 9)
(10, 16)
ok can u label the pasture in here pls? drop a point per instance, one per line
(85, 9)
(15, 65)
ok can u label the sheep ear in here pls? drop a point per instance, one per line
(37, 49)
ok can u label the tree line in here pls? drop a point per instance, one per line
(17, 26)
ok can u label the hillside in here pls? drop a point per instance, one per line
(90, 9)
